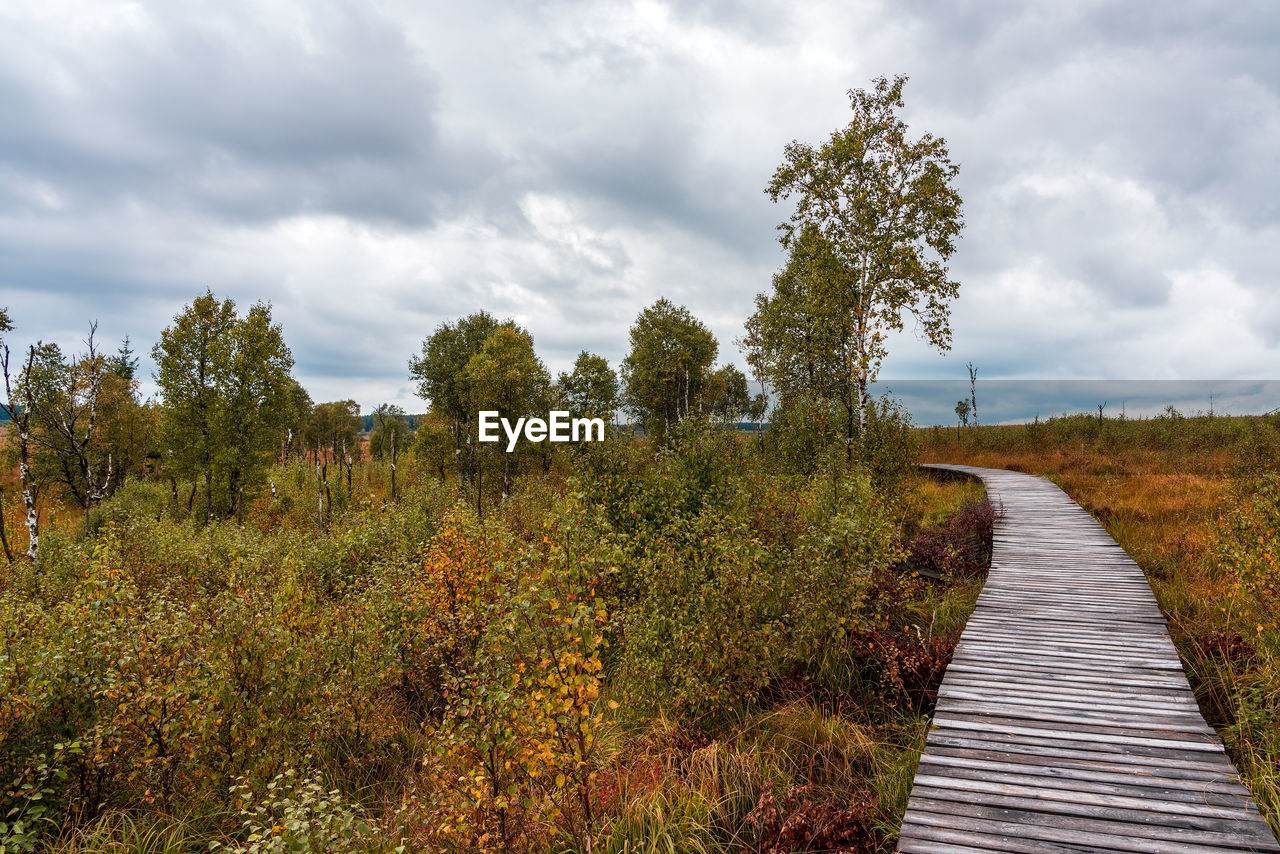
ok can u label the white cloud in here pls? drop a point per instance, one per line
(376, 169)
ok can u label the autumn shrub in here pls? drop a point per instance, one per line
(517, 752)
(1249, 544)
(134, 498)
(802, 819)
(805, 435)
(888, 450)
(643, 488)
(960, 546)
(837, 576)
(181, 657)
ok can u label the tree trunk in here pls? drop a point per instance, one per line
(319, 497)
(4, 534)
(506, 472)
(457, 451)
(28, 500)
(208, 493)
(393, 465)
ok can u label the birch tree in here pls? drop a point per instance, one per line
(65, 398)
(440, 371)
(671, 355)
(390, 435)
(17, 405)
(226, 388)
(886, 209)
(591, 389)
(507, 376)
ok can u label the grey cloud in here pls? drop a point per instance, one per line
(1107, 147)
(225, 114)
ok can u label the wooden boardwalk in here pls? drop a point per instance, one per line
(1065, 722)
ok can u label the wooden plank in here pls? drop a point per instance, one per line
(1133, 734)
(1123, 836)
(1158, 776)
(1126, 754)
(1112, 784)
(1168, 811)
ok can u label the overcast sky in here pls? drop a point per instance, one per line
(376, 168)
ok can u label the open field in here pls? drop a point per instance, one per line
(685, 649)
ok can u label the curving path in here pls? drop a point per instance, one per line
(1064, 721)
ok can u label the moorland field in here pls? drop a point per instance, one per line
(689, 645)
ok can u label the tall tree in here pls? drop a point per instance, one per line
(389, 422)
(297, 424)
(973, 391)
(507, 376)
(886, 210)
(389, 437)
(798, 339)
(256, 396)
(726, 396)
(591, 389)
(335, 430)
(440, 371)
(65, 400)
(671, 353)
(126, 425)
(225, 384)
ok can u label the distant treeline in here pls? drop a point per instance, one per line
(366, 421)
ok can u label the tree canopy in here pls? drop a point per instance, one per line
(671, 354)
(226, 386)
(591, 389)
(875, 223)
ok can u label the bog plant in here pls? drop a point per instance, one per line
(410, 673)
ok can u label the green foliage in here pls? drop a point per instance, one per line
(300, 815)
(389, 422)
(876, 220)
(663, 374)
(889, 450)
(725, 396)
(591, 390)
(227, 392)
(1249, 543)
(333, 431)
(440, 369)
(433, 444)
(467, 683)
(34, 796)
(707, 633)
(87, 430)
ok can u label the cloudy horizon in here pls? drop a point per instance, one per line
(374, 170)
